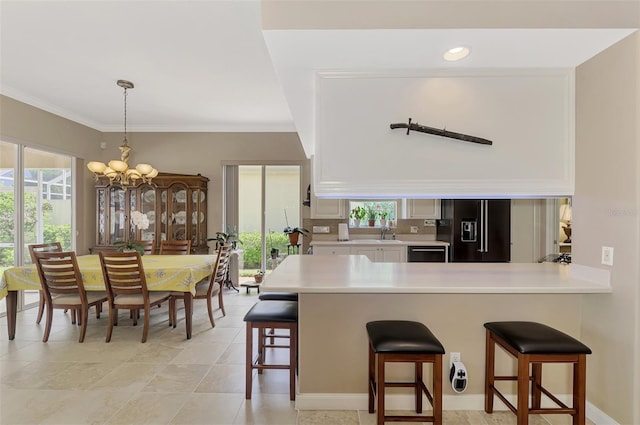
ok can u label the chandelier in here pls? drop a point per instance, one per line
(118, 171)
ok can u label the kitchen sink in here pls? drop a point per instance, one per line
(374, 241)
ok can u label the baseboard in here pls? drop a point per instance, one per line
(317, 401)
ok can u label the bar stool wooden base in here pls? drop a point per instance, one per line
(265, 315)
(407, 342)
(534, 344)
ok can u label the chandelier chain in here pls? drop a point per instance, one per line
(125, 116)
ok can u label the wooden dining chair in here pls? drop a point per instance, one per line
(148, 247)
(127, 288)
(44, 247)
(208, 288)
(175, 247)
(63, 288)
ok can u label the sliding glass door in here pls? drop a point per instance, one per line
(36, 204)
(268, 201)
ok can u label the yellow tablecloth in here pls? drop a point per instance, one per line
(163, 273)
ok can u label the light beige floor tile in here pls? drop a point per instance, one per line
(267, 409)
(178, 378)
(129, 377)
(149, 408)
(155, 353)
(33, 376)
(322, 417)
(30, 406)
(194, 353)
(89, 407)
(234, 354)
(223, 379)
(212, 409)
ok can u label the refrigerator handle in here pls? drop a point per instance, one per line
(486, 226)
(481, 226)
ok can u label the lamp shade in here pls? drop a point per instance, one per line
(565, 213)
(119, 166)
(96, 167)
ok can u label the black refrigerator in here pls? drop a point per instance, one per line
(478, 230)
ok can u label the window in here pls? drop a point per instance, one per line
(372, 213)
(35, 206)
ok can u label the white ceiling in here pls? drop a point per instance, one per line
(205, 66)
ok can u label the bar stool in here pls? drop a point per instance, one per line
(533, 344)
(278, 296)
(272, 315)
(409, 342)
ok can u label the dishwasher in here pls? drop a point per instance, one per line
(427, 254)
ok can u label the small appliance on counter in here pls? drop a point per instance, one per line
(343, 232)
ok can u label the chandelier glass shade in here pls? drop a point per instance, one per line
(117, 170)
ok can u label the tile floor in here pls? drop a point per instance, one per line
(167, 380)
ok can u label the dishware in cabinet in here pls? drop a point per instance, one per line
(175, 204)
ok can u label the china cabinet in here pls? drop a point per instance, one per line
(175, 204)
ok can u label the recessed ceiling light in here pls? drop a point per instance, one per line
(456, 53)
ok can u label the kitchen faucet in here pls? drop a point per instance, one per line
(383, 232)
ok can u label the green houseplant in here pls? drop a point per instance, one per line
(358, 214)
(223, 238)
(294, 234)
(372, 214)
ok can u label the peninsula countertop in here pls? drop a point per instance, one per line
(358, 275)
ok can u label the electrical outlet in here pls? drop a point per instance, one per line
(414, 229)
(607, 255)
(453, 357)
(320, 229)
(430, 222)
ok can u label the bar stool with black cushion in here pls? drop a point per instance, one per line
(271, 315)
(278, 296)
(534, 344)
(406, 342)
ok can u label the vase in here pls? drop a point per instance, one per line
(372, 222)
(356, 222)
(383, 222)
(293, 238)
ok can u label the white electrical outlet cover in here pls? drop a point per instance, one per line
(607, 255)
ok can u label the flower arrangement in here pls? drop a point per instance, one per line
(140, 221)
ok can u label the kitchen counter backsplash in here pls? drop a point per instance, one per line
(402, 231)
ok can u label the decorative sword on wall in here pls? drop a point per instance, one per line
(444, 133)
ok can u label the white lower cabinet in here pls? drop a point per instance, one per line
(331, 250)
(385, 254)
(375, 252)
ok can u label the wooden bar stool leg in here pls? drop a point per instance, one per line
(293, 355)
(249, 361)
(437, 390)
(536, 382)
(523, 390)
(418, 378)
(372, 378)
(380, 389)
(580, 390)
(489, 373)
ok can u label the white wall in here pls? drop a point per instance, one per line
(528, 117)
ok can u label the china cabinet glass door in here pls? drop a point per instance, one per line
(148, 207)
(117, 213)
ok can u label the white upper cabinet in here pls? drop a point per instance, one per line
(423, 208)
(327, 208)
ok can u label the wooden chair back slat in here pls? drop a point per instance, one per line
(220, 269)
(59, 273)
(123, 273)
(43, 247)
(175, 247)
(148, 247)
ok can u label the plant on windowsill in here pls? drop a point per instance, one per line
(372, 214)
(294, 234)
(383, 218)
(358, 214)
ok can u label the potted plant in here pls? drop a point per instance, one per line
(124, 246)
(358, 214)
(223, 238)
(372, 214)
(294, 234)
(258, 276)
(383, 218)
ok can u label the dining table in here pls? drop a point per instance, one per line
(179, 273)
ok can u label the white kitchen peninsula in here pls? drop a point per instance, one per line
(338, 294)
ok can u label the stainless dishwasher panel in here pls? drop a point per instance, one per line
(427, 254)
